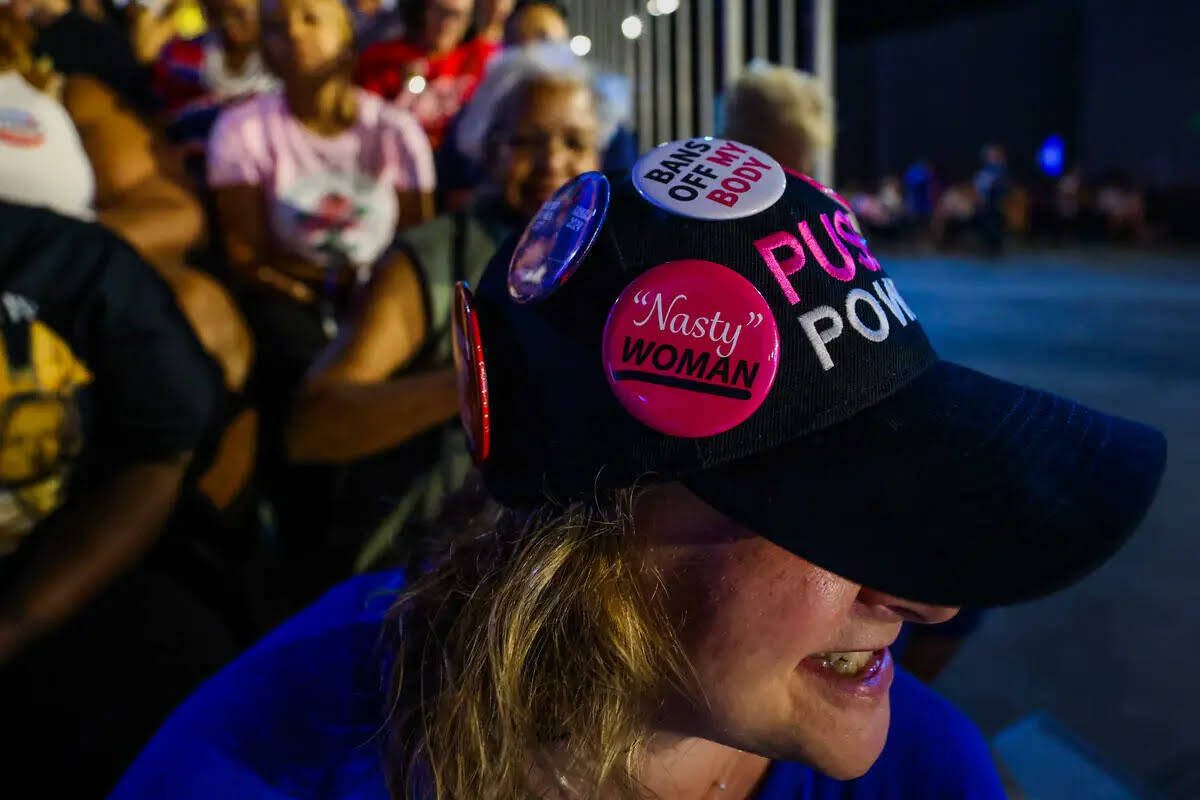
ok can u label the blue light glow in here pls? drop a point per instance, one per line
(1050, 155)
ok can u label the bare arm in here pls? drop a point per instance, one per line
(349, 407)
(157, 216)
(149, 32)
(415, 207)
(139, 192)
(87, 547)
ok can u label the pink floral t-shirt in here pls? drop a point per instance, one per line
(328, 197)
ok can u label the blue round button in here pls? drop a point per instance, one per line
(556, 240)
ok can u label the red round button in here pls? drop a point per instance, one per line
(472, 375)
(691, 348)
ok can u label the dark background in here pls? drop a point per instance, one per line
(1119, 81)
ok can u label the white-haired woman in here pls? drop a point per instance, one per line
(781, 111)
(388, 380)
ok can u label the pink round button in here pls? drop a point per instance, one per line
(691, 348)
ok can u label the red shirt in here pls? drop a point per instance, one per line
(386, 68)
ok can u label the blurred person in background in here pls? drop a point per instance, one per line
(388, 380)
(920, 192)
(1018, 210)
(1122, 207)
(490, 16)
(992, 187)
(869, 210)
(894, 215)
(1068, 204)
(311, 183)
(42, 160)
(77, 43)
(375, 21)
(955, 214)
(313, 180)
(513, 25)
(782, 111)
(71, 146)
(194, 77)
(433, 68)
(105, 395)
(533, 21)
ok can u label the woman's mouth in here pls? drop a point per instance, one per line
(858, 673)
(846, 664)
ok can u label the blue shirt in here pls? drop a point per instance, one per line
(297, 718)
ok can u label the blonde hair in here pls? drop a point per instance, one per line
(531, 660)
(770, 104)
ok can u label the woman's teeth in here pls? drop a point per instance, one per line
(850, 663)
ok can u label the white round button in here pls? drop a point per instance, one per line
(709, 178)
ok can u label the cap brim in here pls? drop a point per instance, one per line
(959, 489)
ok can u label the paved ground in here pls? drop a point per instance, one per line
(1115, 659)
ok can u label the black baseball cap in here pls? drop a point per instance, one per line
(714, 319)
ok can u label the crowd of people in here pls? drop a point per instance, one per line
(307, 179)
(993, 207)
(231, 240)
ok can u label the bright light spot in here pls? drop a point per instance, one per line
(652, 8)
(416, 84)
(666, 6)
(631, 27)
(1051, 155)
(581, 45)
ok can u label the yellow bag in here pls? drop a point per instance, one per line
(40, 430)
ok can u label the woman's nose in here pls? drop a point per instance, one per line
(908, 610)
(294, 28)
(554, 156)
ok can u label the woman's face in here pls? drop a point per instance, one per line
(547, 137)
(235, 20)
(306, 39)
(758, 624)
(535, 23)
(446, 23)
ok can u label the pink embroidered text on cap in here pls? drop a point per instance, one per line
(691, 348)
(709, 178)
